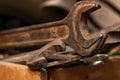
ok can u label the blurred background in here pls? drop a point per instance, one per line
(18, 13)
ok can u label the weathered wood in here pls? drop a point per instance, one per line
(9, 71)
(109, 71)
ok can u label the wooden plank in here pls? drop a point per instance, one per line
(9, 71)
(109, 71)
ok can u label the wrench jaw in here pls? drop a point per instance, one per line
(85, 50)
(79, 38)
(37, 59)
(94, 46)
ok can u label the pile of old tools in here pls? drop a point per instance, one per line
(52, 39)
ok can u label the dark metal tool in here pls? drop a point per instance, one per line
(39, 62)
(36, 61)
(71, 30)
(113, 37)
(113, 40)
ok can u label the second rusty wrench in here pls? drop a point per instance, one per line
(71, 30)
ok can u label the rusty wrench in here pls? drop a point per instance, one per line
(71, 30)
(37, 59)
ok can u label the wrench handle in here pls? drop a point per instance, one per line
(33, 35)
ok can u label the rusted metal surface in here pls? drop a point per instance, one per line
(71, 30)
(113, 40)
(38, 60)
(21, 58)
(113, 37)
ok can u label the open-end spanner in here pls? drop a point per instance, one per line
(71, 30)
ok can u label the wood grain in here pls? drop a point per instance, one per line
(9, 71)
(108, 71)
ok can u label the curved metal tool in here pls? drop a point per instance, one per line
(71, 30)
(79, 38)
(37, 59)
